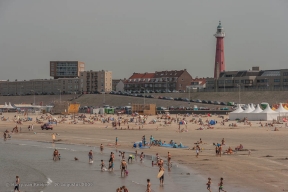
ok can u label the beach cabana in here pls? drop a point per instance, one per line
(281, 110)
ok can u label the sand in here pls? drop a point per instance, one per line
(266, 169)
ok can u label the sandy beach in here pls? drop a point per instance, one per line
(265, 169)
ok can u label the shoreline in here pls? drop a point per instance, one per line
(239, 171)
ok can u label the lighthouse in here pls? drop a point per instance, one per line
(219, 56)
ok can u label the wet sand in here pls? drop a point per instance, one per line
(264, 170)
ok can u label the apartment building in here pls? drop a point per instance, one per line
(96, 81)
(250, 79)
(66, 69)
(167, 81)
(40, 86)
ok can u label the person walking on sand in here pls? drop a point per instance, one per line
(220, 150)
(16, 188)
(90, 155)
(53, 137)
(148, 189)
(162, 177)
(116, 141)
(197, 150)
(101, 148)
(221, 185)
(209, 184)
(169, 159)
(123, 167)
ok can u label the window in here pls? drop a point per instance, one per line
(285, 80)
(276, 80)
(285, 73)
(236, 81)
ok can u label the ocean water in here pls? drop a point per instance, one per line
(32, 162)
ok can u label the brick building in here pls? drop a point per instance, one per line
(167, 81)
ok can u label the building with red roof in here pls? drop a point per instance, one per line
(161, 81)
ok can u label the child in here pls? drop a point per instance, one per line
(221, 185)
(102, 165)
(209, 184)
(59, 156)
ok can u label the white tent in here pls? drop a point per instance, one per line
(257, 110)
(10, 106)
(252, 106)
(246, 112)
(267, 114)
(235, 114)
(281, 110)
(254, 114)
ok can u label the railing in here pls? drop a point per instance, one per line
(236, 89)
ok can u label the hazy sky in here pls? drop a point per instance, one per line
(127, 36)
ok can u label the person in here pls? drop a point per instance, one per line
(16, 188)
(55, 155)
(116, 141)
(169, 158)
(123, 167)
(101, 148)
(136, 153)
(162, 177)
(111, 165)
(59, 156)
(53, 137)
(148, 186)
(220, 150)
(5, 136)
(209, 184)
(125, 189)
(223, 141)
(130, 158)
(141, 156)
(102, 165)
(118, 189)
(90, 155)
(197, 150)
(221, 185)
(32, 127)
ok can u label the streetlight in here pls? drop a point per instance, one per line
(103, 97)
(144, 98)
(34, 96)
(239, 86)
(60, 94)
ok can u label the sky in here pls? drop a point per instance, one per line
(126, 36)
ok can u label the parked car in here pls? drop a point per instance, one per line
(223, 103)
(210, 102)
(198, 101)
(204, 101)
(185, 99)
(46, 126)
(217, 102)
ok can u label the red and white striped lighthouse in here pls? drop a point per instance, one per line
(219, 57)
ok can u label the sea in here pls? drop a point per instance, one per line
(32, 162)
